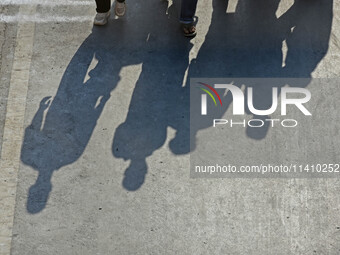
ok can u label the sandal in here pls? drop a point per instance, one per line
(189, 30)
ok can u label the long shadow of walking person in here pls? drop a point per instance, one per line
(245, 44)
(72, 114)
(248, 44)
(159, 101)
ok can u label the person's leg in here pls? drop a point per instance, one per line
(120, 8)
(188, 10)
(103, 12)
(103, 5)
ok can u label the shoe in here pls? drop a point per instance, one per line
(189, 30)
(101, 18)
(120, 9)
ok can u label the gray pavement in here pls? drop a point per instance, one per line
(7, 44)
(104, 154)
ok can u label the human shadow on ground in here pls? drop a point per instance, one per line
(245, 44)
(248, 44)
(60, 138)
(159, 101)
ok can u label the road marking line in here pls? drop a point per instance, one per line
(14, 127)
(43, 18)
(45, 2)
(232, 5)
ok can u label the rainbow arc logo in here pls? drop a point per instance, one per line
(210, 91)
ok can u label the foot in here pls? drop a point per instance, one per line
(189, 30)
(101, 18)
(120, 9)
(135, 175)
(38, 196)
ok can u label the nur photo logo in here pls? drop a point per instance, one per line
(243, 101)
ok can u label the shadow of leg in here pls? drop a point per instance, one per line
(39, 192)
(135, 174)
(258, 131)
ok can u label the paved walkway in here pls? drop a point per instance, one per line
(93, 130)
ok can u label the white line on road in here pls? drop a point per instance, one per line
(232, 5)
(43, 19)
(14, 127)
(45, 2)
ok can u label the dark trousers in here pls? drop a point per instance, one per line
(105, 5)
(188, 10)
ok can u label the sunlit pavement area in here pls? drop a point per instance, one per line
(94, 129)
